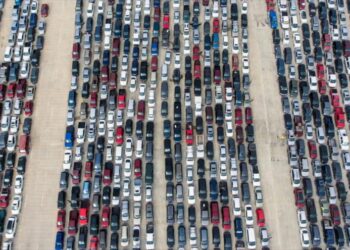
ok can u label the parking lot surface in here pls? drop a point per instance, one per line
(37, 225)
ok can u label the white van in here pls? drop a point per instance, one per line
(107, 43)
(164, 72)
(251, 238)
(147, 7)
(229, 129)
(153, 80)
(304, 167)
(125, 236)
(320, 135)
(236, 206)
(294, 23)
(131, 108)
(139, 148)
(116, 177)
(295, 177)
(331, 195)
(92, 115)
(119, 154)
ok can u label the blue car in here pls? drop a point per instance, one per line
(213, 189)
(273, 19)
(59, 241)
(216, 41)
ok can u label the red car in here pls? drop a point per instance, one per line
(197, 69)
(214, 212)
(76, 176)
(73, 222)
(122, 99)
(141, 110)
(84, 214)
(76, 51)
(299, 198)
(260, 217)
(93, 243)
(112, 80)
(156, 14)
(105, 217)
(154, 63)
(107, 175)
(138, 168)
(88, 170)
(217, 75)
(320, 71)
(322, 86)
(44, 10)
(312, 149)
(216, 25)
(270, 5)
(189, 134)
(166, 22)
(28, 108)
(238, 117)
(196, 53)
(93, 100)
(2, 92)
(335, 214)
(11, 90)
(248, 115)
(235, 62)
(21, 88)
(205, 2)
(119, 139)
(301, 4)
(335, 98)
(226, 220)
(239, 134)
(4, 197)
(339, 117)
(104, 74)
(61, 219)
(116, 46)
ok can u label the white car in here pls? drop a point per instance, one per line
(70, 117)
(237, 211)
(34, 7)
(303, 16)
(27, 53)
(126, 187)
(18, 107)
(110, 135)
(78, 153)
(286, 37)
(101, 127)
(127, 167)
(347, 64)
(167, 58)
(302, 218)
(14, 124)
(24, 70)
(110, 119)
(344, 32)
(343, 139)
(127, 17)
(245, 66)
(91, 132)
(21, 38)
(177, 61)
(309, 131)
(137, 189)
(335, 34)
(11, 143)
(7, 107)
(244, 7)
(304, 238)
(100, 7)
(19, 182)
(67, 159)
(142, 91)
(16, 204)
(297, 40)
(191, 194)
(346, 96)
(235, 46)
(90, 10)
(120, 116)
(5, 123)
(148, 192)
(8, 54)
(176, 4)
(17, 55)
(42, 27)
(11, 227)
(128, 147)
(109, 152)
(249, 218)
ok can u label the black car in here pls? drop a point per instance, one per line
(170, 236)
(94, 224)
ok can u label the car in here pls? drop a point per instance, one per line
(11, 227)
(249, 215)
(17, 204)
(299, 198)
(304, 238)
(19, 184)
